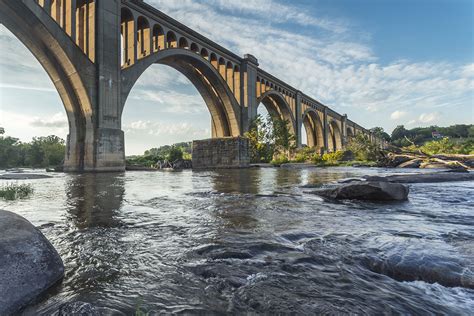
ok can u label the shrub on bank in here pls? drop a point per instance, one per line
(279, 160)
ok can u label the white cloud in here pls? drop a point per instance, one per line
(166, 129)
(58, 120)
(426, 118)
(398, 115)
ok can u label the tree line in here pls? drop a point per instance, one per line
(41, 152)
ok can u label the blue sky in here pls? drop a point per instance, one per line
(383, 62)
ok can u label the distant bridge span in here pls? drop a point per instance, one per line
(96, 50)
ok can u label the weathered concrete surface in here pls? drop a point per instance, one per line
(371, 191)
(29, 265)
(23, 176)
(231, 152)
(424, 177)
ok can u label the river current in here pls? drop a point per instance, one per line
(252, 241)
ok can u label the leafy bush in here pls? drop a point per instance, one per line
(15, 191)
(279, 160)
(305, 154)
(334, 157)
(446, 146)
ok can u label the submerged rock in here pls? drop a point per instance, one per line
(79, 309)
(29, 265)
(372, 191)
(411, 262)
(23, 176)
(424, 177)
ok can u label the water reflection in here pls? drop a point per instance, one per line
(94, 199)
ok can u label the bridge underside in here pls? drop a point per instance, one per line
(95, 51)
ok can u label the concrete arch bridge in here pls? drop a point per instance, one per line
(95, 51)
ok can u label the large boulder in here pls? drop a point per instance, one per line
(371, 191)
(29, 264)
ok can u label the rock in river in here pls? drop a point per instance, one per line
(29, 265)
(373, 191)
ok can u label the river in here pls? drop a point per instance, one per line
(252, 241)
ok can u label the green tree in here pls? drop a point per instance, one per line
(380, 133)
(471, 132)
(284, 140)
(175, 153)
(260, 137)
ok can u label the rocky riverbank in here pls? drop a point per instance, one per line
(423, 161)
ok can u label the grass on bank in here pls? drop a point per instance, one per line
(11, 192)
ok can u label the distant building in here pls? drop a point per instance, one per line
(436, 135)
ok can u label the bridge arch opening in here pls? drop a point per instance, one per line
(350, 134)
(143, 37)
(278, 107)
(158, 38)
(127, 30)
(171, 40)
(217, 95)
(314, 129)
(195, 48)
(335, 137)
(85, 27)
(183, 43)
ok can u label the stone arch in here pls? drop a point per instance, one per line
(195, 48)
(314, 129)
(350, 133)
(158, 38)
(67, 70)
(171, 40)
(183, 43)
(277, 106)
(143, 37)
(214, 61)
(205, 54)
(335, 136)
(127, 30)
(222, 105)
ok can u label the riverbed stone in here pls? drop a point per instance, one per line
(414, 163)
(435, 177)
(29, 264)
(372, 191)
(23, 176)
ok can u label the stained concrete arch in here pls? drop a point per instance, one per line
(335, 136)
(67, 69)
(314, 129)
(276, 105)
(222, 105)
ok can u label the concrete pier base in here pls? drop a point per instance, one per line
(221, 153)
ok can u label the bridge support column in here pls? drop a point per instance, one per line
(298, 119)
(344, 131)
(249, 92)
(326, 130)
(109, 149)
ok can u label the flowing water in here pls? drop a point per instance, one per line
(252, 241)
